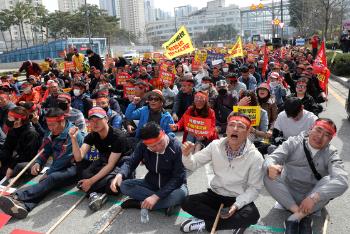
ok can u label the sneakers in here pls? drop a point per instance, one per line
(292, 227)
(131, 203)
(191, 225)
(13, 207)
(305, 225)
(96, 201)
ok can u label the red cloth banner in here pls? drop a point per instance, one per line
(197, 126)
(68, 66)
(167, 76)
(129, 91)
(266, 60)
(121, 78)
(320, 68)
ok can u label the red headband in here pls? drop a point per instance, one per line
(327, 126)
(6, 96)
(199, 94)
(16, 115)
(102, 99)
(154, 140)
(55, 119)
(242, 119)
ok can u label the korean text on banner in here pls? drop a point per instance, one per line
(253, 112)
(237, 49)
(167, 76)
(178, 44)
(128, 91)
(122, 78)
(199, 127)
(200, 56)
(68, 66)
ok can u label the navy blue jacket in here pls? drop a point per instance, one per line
(165, 171)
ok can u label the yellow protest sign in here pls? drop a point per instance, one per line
(253, 112)
(147, 55)
(45, 66)
(200, 56)
(237, 49)
(178, 44)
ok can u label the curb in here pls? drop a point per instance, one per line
(342, 80)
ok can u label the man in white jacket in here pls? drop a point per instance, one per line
(236, 180)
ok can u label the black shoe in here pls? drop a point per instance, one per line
(131, 203)
(292, 227)
(13, 207)
(305, 225)
(97, 201)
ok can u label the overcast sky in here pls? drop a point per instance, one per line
(167, 5)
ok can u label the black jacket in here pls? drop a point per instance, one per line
(310, 104)
(96, 61)
(165, 171)
(182, 102)
(21, 145)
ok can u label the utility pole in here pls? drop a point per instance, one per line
(282, 22)
(273, 18)
(87, 14)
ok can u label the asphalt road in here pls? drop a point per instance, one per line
(82, 220)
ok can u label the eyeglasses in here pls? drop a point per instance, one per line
(155, 99)
(202, 99)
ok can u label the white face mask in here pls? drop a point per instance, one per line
(205, 86)
(225, 69)
(76, 92)
(273, 84)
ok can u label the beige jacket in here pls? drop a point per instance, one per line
(241, 178)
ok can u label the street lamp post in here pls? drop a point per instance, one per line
(178, 7)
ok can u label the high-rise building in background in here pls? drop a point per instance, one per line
(132, 17)
(31, 33)
(185, 11)
(70, 5)
(149, 11)
(111, 6)
(161, 15)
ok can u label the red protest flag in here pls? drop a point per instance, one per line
(266, 60)
(320, 68)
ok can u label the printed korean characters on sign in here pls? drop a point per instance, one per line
(180, 43)
(68, 66)
(122, 78)
(129, 91)
(253, 112)
(167, 76)
(200, 127)
(195, 66)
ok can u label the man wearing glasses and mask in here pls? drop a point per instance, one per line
(153, 112)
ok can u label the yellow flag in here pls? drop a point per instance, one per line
(178, 44)
(237, 49)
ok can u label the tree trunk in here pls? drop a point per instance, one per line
(11, 39)
(20, 35)
(24, 34)
(3, 36)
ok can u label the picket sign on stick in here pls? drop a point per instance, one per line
(21, 173)
(213, 229)
(65, 215)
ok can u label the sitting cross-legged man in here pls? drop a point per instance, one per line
(164, 186)
(304, 174)
(96, 176)
(62, 171)
(235, 176)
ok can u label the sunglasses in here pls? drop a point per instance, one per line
(155, 99)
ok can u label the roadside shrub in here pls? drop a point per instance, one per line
(341, 64)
